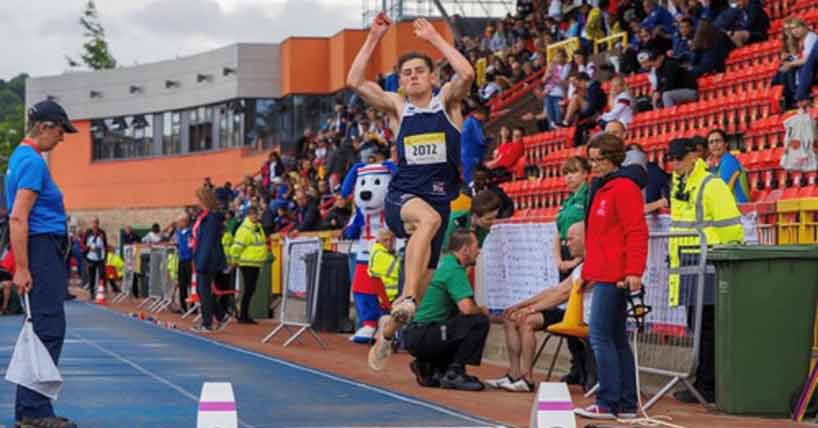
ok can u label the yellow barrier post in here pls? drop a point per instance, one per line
(570, 45)
(611, 40)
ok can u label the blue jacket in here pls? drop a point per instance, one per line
(681, 49)
(660, 17)
(472, 140)
(753, 19)
(208, 256)
(183, 245)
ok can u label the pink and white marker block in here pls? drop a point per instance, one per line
(553, 407)
(217, 406)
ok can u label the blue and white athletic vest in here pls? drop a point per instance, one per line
(428, 153)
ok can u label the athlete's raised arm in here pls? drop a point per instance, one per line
(370, 91)
(458, 88)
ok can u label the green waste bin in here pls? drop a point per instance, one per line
(260, 303)
(765, 311)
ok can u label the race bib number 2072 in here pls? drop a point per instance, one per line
(424, 149)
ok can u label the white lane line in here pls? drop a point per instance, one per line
(399, 397)
(146, 372)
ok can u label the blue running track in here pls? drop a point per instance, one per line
(122, 372)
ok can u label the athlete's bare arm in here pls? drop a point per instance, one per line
(371, 92)
(458, 88)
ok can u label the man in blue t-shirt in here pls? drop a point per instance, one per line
(40, 244)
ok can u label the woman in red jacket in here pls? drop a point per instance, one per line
(616, 247)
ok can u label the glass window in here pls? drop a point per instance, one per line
(171, 133)
(201, 129)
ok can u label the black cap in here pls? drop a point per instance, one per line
(679, 147)
(49, 111)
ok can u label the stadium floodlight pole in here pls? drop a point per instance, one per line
(448, 19)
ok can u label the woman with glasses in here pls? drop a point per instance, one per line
(616, 248)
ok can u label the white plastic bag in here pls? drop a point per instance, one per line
(799, 140)
(31, 365)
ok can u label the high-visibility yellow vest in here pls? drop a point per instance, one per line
(706, 205)
(114, 260)
(386, 266)
(249, 246)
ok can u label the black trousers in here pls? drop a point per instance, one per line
(204, 282)
(184, 277)
(250, 276)
(706, 370)
(459, 341)
(96, 270)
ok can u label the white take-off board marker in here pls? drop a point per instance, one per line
(217, 406)
(552, 407)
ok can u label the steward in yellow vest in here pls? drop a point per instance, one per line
(699, 202)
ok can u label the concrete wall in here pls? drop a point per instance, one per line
(257, 75)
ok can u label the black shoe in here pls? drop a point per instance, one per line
(423, 377)
(247, 321)
(460, 381)
(574, 377)
(685, 396)
(49, 422)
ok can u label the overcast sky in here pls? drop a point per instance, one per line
(37, 34)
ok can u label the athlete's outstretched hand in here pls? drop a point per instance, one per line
(380, 25)
(425, 30)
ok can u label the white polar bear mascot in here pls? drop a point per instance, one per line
(370, 183)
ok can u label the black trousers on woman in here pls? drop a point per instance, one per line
(204, 282)
(250, 276)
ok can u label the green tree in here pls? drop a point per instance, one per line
(96, 53)
(12, 129)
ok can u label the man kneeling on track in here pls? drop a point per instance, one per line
(525, 318)
(449, 330)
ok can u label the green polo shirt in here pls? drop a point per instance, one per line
(461, 220)
(572, 211)
(450, 284)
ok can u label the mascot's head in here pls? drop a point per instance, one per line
(371, 186)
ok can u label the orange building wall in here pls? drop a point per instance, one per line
(146, 183)
(320, 65)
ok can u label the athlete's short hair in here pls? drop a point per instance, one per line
(416, 55)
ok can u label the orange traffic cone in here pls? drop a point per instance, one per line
(100, 297)
(572, 323)
(194, 296)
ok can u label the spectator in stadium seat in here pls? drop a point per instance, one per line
(572, 210)
(683, 41)
(525, 8)
(450, 329)
(339, 215)
(271, 171)
(225, 194)
(727, 166)
(620, 103)
(473, 141)
(555, 85)
(658, 19)
(805, 64)
(675, 84)
(657, 42)
(616, 127)
(520, 51)
(483, 181)
(588, 102)
(657, 190)
(580, 64)
(745, 23)
(507, 155)
(307, 214)
(615, 256)
(522, 320)
(710, 50)
(493, 86)
(499, 40)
